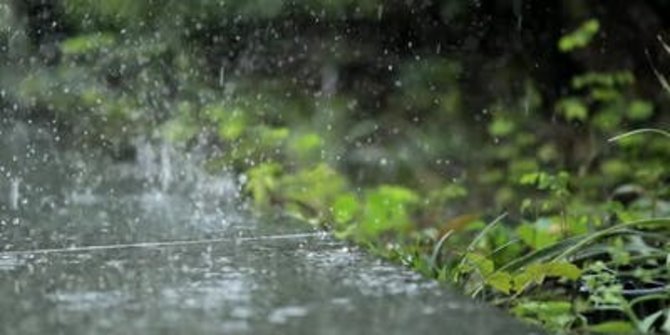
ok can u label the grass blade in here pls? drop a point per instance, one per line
(438, 248)
(590, 238)
(641, 131)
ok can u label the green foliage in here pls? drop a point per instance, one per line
(307, 193)
(539, 234)
(345, 208)
(387, 209)
(554, 315)
(263, 183)
(306, 147)
(537, 273)
(314, 189)
(231, 122)
(602, 79)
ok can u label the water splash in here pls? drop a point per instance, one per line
(14, 193)
(88, 300)
(9, 263)
(165, 176)
(146, 159)
(168, 169)
(283, 314)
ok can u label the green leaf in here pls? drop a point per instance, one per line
(530, 178)
(666, 325)
(501, 281)
(572, 109)
(87, 43)
(562, 269)
(269, 136)
(449, 192)
(233, 126)
(501, 127)
(640, 110)
(608, 119)
(579, 38)
(603, 80)
(613, 327)
(647, 323)
(481, 264)
(537, 235)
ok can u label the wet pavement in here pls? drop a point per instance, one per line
(93, 246)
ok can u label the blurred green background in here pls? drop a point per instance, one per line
(421, 93)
